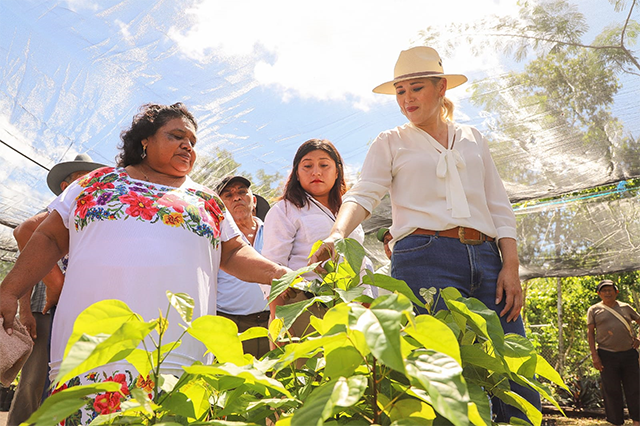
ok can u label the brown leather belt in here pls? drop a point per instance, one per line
(465, 235)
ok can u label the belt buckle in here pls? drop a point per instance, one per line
(464, 240)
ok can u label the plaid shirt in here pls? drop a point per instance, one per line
(39, 293)
(38, 297)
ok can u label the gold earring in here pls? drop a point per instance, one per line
(144, 152)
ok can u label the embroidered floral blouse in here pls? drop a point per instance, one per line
(133, 240)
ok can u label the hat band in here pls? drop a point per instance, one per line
(417, 74)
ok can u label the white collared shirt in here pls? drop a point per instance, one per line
(237, 297)
(290, 232)
(432, 187)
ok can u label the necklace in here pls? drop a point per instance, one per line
(322, 208)
(145, 176)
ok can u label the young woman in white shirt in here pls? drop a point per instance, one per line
(453, 225)
(306, 213)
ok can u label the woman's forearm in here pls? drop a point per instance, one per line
(349, 217)
(245, 263)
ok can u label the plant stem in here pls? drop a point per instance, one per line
(376, 415)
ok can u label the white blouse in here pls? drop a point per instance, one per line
(432, 187)
(132, 240)
(290, 232)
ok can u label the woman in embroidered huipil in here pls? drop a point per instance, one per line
(452, 222)
(132, 233)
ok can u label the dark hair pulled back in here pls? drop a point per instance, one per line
(145, 124)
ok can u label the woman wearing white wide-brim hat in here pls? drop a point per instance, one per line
(453, 225)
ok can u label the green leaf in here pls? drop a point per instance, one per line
(519, 402)
(348, 296)
(544, 390)
(352, 251)
(183, 303)
(319, 406)
(337, 315)
(95, 351)
(276, 328)
(481, 319)
(480, 408)
(103, 317)
(434, 334)
(393, 285)
(381, 325)
(144, 361)
(342, 361)
(246, 372)
(428, 294)
(280, 285)
(441, 376)
(62, 404)
(544, 369)
(412, 411)
(254, 333)
(476, 355)
(220, 336)
(197, 393)
(306, 348)
(412, 421)
(289, 313)
(520, 355)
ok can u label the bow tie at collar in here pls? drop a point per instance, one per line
(449, 163)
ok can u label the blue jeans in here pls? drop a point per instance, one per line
(424, 261)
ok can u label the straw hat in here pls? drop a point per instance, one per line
(60, 171)
(418, 62)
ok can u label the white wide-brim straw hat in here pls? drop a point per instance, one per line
(418, 62)
(60, 171)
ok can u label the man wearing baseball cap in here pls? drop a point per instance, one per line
(244, 303)
(609, 325)
(36, 307)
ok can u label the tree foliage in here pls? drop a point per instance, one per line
(209, 169)
(578, 294)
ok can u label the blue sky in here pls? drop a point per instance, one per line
(261, 77)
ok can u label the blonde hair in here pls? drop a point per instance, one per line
(447, 109)
(445, 103)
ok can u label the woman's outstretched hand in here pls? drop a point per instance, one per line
(325, 252)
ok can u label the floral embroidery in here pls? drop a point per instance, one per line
(145, 384)
(139, 205)
(173, 219)
(110, 194)
(107, 402)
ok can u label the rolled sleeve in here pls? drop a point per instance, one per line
(375, 177)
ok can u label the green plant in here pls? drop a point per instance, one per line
(379, 364)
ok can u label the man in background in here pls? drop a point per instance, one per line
(609, 324)
(244, 303)
(37, 309)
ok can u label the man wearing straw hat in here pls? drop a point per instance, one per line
(36, 309)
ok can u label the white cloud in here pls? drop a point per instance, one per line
(77, 5)
(326, 50)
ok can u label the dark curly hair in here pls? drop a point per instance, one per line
(145, 124)
(293, 191)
